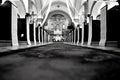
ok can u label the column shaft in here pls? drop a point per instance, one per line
(42, 31)
(103, 26)
(75, 35)
(82, 39)
(28, 31)
(34, 32)
(39, 34)
(14, 27)
(44, 36)
(90, 32)
(78, 35)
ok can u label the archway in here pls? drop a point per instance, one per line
(57, 24)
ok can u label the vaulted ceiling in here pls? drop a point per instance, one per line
(74, 8)
(42, 6)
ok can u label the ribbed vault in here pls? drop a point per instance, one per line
(73, 7)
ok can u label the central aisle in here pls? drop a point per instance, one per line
(59, 61)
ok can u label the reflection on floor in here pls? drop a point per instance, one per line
(60, 61)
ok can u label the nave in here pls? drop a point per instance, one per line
(60, 61)
(59, 39)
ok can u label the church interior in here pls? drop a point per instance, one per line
(59, 40)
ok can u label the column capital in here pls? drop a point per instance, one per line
(88, 15)
(27, 15)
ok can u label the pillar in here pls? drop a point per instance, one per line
(39, 34)
(102, 36)
(42, 31)
(47, 37)
(74, 35)
(71, 36)
(28, 30)
(82, 39)
(34, 32)
(78, 34)
(44, 36)
(90, 31)
(14, 26)
(103, 26)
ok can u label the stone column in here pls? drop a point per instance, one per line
(44, 36)
(39, 34)
(71, 37)
(74, 35)
(90, 31)
(42, 31)
(28, 30)
(82, 39)
(103, 27)
(34, 32)
(78, 34)
(47, 37)
(102, 36)
(14, 27)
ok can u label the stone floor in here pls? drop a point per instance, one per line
(9, 48)
(60, 61)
